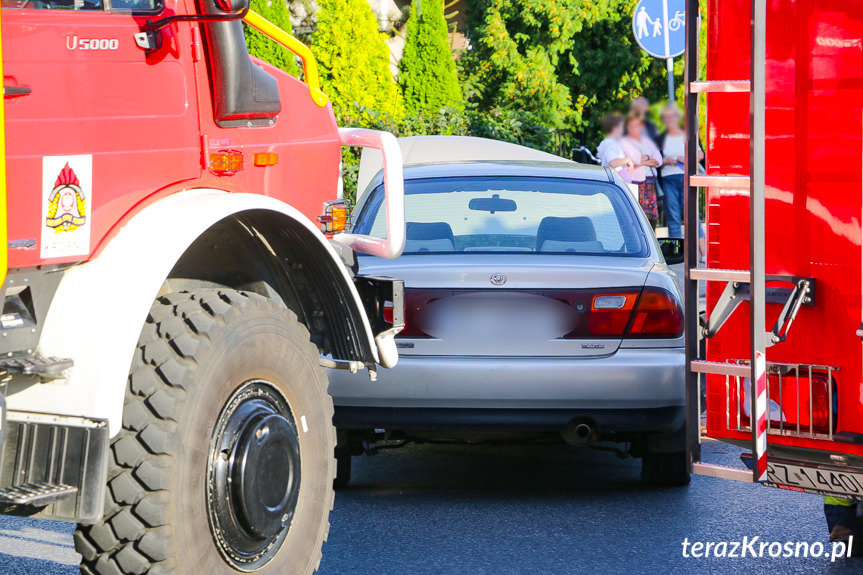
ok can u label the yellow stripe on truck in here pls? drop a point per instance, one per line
(4, 232)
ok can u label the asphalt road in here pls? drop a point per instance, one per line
(452, 510)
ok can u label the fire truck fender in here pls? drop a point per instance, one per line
(100, 307)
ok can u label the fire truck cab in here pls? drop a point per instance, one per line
(170, 301)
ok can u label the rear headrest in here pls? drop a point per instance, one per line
(576, 229)
(428, 231)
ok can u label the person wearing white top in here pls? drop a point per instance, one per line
(674, 155)
(610, 152)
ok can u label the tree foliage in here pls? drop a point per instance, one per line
(354, 59)
(516, 50)
(276, 11)
(534, 66)
(427, 72)
(605, 69)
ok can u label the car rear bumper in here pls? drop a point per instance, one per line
(604, 421)
(629, 390)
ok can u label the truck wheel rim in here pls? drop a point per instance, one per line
(253, 475)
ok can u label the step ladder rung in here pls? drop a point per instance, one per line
(720, 275)
(722, 471)
(726, 86)
(37, 494)
(721, 368)
(726, 182)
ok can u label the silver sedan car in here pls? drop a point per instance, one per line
(538, 305)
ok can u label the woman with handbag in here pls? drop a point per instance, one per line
(645, 157)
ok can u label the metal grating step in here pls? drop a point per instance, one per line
(722, 471)
(721, 368)
(38, 494)
(720, 275)
(46, 367)
(724, 86)
(725, 182)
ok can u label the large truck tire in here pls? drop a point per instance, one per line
(224, 462)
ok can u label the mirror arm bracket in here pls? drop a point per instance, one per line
(149, 38)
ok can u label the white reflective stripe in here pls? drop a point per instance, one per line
(760, 415)
(304, 424)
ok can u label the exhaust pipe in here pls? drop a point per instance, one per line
(579, 432)
(583, 431)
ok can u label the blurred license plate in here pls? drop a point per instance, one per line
(794, 477)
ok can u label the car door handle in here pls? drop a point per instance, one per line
(15, 91)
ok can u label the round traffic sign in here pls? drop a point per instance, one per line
(659, 27)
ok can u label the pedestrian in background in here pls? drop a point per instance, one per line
(646, 158)
(610, 151)
(641, 105)
(672, 144)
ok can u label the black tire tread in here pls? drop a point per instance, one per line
(134, 537)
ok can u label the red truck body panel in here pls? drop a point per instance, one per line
(814, 198)
(136, 128)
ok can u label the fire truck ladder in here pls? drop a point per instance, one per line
(741, 285)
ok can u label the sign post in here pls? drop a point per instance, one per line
(659, 27)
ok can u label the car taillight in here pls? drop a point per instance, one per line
(640, 313)
(415, 301)
(657, 315)
(610, 313)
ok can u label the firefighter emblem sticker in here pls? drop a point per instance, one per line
(66, 198)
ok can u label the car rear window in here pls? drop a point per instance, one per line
(511, 214)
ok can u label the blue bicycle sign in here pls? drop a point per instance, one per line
(659, 27)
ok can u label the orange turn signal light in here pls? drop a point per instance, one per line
(266, 159)
(336, 216)
(226, 162)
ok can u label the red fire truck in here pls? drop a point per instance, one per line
(170, 301)
(778, 352)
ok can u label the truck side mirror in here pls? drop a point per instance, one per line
(672, 249)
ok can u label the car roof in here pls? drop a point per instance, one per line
(422, 150)
(539, 169)
(436, 149)
(498, 168)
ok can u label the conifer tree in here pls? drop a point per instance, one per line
(354, 60)
(427, 72)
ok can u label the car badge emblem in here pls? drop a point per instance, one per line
(498, 279)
